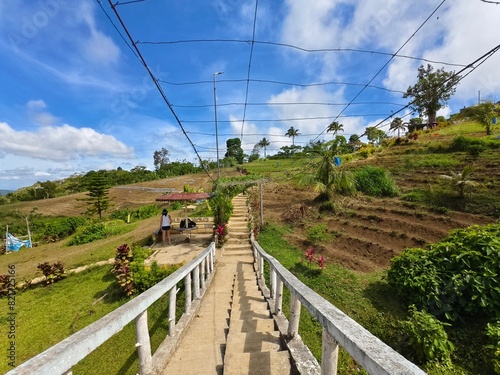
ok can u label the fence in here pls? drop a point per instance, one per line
(338, 329)
(60, 358)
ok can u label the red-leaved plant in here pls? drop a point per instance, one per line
(309, 255)
(221, 233)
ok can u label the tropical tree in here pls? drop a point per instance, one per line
(160, 158)
(264, 143)
(292, 133)
(397, 124)
(432, 90)
(484, 114)
(335, 127)
(234, 149)
(375, 135)
(325, 175)
(98, 199)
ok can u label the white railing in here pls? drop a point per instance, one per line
(60, 358)
(338, 329)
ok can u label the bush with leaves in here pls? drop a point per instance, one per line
(453, 278)
(52, 272)
(147, 276)
(427, 337)
(493, 334)
(375, 182)
(5, 284)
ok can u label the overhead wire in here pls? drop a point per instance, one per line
(386, 64)
(249, 67)
(158, 86)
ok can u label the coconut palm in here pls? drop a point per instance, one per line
(292, 132)
(397, 124)
(264, 143)
(335, 127)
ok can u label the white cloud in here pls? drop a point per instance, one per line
(60, 143)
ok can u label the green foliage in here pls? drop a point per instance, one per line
(141, 213)
(52, 272)
(455, 277)
(493, 334)
(319, 233)
(427, 337)
(98, 231)
(431, 91)
(327, 206)
(375, 181)
(98, 199)
(145, 277)
(234, 149)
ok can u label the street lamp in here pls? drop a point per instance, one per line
(216, 130)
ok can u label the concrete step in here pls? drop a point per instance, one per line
(264, 363)
(253, 325)
(248, 342)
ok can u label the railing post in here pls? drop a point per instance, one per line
(330, 354)
(278, 305)
(261, 269)
(272, 281)
(196, 282)
(143, 344)
(293, 325)
(212, 259)
(171, 310)
(187, 292)
(202, 278)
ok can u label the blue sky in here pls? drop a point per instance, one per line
(74, 97)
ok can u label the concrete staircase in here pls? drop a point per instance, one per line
(232, 332)
(253, 343)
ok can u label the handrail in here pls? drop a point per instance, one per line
(60, 358)
(338, 329)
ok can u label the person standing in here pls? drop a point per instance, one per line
(165, 222)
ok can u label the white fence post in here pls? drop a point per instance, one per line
(171, 310)
(143, 344)
(187, 293)
(330, 354)
(196, 282)
(278, 306)
(293, 325)
(272, 281)
(202, 276)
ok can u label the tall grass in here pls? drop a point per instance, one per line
(375, 181)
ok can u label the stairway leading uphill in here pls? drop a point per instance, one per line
(233, 332)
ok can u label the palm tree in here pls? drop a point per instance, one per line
(397, 124)
(264, 143)
(292, 132)
(327, 177)
(335, 127)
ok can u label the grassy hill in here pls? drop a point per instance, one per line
(361, 234)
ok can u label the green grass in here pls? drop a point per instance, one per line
(460, 129)
(47, 315)
(369, 300)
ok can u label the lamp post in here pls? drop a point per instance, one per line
(216, 128)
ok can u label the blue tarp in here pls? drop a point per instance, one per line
(14, 243)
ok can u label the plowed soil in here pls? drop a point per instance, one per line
(367, 232)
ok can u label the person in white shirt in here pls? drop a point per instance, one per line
(165, 222)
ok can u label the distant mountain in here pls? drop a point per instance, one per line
(3, 192)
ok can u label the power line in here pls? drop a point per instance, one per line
(387, 63)
(249, 67)
(158, 86)
(307, 50)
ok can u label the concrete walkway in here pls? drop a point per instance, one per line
(233, 332)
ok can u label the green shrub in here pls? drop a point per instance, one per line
(455, 277)
(375, 181)
(176, 206)
(147, 276)
(427, 337)
(319, 233)
(493, 334)
(88, 233)
(327, 206)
